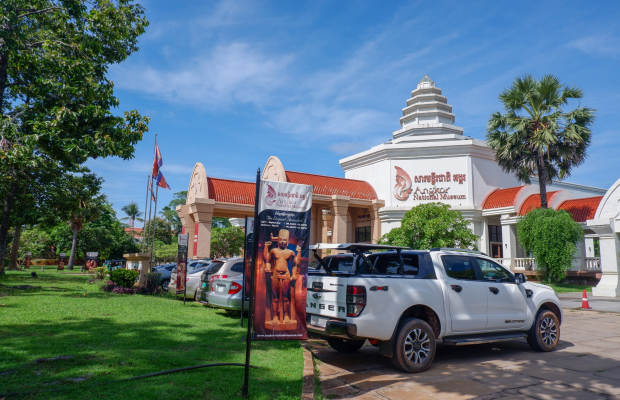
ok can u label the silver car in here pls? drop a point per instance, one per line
(226, 293)
(192, 266)
(230, 268)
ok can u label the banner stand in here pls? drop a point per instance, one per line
(245, 244)
(248, 343)
(182, 264)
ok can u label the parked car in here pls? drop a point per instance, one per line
(229, 268)
(404, 300)
(166, 273)
(111, 265)
(191, 267)
(192, 282)
(226, 293)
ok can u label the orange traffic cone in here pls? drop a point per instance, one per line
(584, 302)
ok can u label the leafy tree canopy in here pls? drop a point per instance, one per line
(55, 99)
(169, 212)
(536, 136)
(552, 237)
(432, 225)
(226, 242)
(163, 230)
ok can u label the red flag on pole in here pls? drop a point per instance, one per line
(161, 181)
(151, 190)
(157, 160)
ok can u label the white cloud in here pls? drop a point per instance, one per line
(604, 44)
(231, 73)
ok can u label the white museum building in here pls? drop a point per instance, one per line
(428, 159)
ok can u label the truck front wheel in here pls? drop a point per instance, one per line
(345, 345)
(415, 346)
(544, 335)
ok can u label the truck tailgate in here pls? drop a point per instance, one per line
(327, 297)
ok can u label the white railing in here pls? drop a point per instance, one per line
(525, 264)
(593, 263)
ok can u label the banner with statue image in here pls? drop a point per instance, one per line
(280, 285)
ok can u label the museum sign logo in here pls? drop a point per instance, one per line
(404, 186)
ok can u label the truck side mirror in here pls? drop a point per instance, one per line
(520, 278)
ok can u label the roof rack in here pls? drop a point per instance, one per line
(463, 250)
(355, 246)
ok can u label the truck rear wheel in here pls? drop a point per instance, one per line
(544, 335)
(345, 345)
(414, 347)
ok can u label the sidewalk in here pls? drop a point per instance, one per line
(573, 300)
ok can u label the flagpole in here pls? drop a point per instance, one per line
(146, 234)
(154, 224)
(146, 204)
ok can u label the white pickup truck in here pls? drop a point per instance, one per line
(404, 300)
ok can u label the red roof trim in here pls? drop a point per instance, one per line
(499, 198)
(231, 191)
(330, 185)
(581, 209)
(533, 201)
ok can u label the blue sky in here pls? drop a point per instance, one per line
(230, 83)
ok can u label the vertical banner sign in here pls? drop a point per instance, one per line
(249, 240)
(281, 268)
(61, 261)
(91, 260)
(181, 264)
(27, 261)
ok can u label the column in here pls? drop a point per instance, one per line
(589, 245)
(609, 285)
(202, 213)
(375, 221)
(509, 241)
(188, 224)
(325, 227)
(339, 210)
(483, 246)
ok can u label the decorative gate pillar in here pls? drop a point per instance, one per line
(339, 210)
(186, 220)
(375, 221)
(202, 213)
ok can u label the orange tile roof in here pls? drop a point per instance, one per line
(501, 198)
(230, 191)
(136, 230)
(533, 201)
(330, 185)
(581, 209)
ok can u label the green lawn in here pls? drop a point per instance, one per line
(566, 288)
(113, 336)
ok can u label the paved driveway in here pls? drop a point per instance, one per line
(586, 365)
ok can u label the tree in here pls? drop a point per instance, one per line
(432, 225)
(166, 252)
(55, 98)
(552, 237)
(133, 213)
(169, 212)
(36, 241)
(88, 210)
(163, 230)
(220, 222)
(226, 242)
(106, 235)
(535, 136)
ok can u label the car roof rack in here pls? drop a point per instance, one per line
(355, 246)
(462, 250)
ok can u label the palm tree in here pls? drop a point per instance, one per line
(133, 213)
(535, 136)
(88, 210)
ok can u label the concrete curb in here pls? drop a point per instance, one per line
(307, 389)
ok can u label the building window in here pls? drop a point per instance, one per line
(362, 234)
(495, 233)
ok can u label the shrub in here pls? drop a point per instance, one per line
(99, 273)
(124, 278)
(152, 284)
(432, 225)
(552, 237)
(112, 288)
